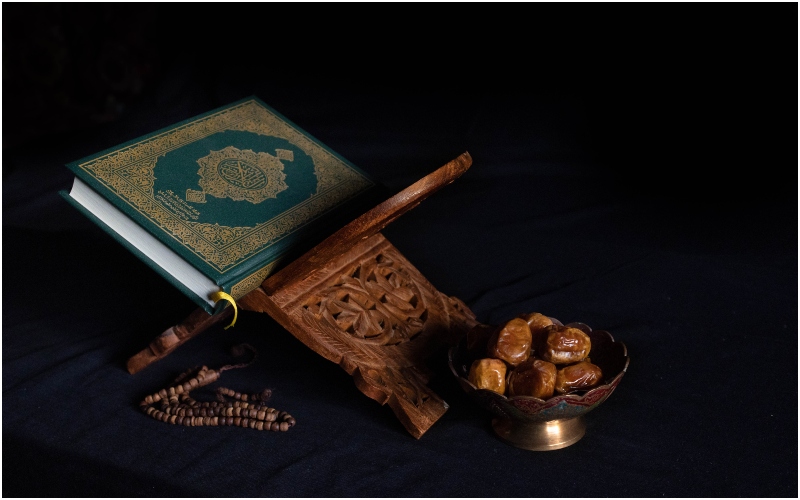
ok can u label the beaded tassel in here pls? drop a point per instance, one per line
(173, 405)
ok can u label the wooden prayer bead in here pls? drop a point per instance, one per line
(183, 376)
(174, 405)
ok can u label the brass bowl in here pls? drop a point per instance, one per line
(537, 424)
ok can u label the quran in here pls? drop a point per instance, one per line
(217, 202)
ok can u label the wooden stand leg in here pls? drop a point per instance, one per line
(197, 322)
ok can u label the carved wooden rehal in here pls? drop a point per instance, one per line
(358, 302)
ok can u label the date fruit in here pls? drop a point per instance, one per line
(562, 345)
(537, 322)
(489, 374)
(582, 375)
(511, 342)
(534, 377)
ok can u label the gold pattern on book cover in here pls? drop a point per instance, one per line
(128, 173)
(241, 288)
(241, 175)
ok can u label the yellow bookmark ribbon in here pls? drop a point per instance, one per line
(217, 296)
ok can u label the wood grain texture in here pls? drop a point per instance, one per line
(369, 223)
(194, 324)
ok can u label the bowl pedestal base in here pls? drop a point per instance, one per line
(540, 436)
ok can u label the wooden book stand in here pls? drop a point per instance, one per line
(355, 300)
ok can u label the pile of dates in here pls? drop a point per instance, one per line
(531, 356)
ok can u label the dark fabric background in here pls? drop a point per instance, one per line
(635, 168)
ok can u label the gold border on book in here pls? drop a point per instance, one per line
(251, 282)
(128, 172)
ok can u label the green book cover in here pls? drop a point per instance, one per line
(229, 192)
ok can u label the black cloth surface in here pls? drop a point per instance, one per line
(642, 181)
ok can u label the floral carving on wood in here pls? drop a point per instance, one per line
(373, 300)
